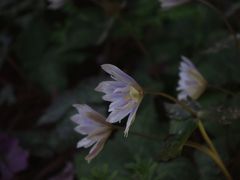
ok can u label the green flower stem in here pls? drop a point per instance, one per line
(206, 137)
(219, 12)
(147, 136)
(167, 96)
(214, 150)
(221, 90)
(211, 154)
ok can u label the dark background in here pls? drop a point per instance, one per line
(50, 59)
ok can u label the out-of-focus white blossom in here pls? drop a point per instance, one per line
(166, 4)
(94, 125)
(124, 93)
(191, 83)
(55, 4)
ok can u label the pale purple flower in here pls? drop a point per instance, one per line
(94, 125)
(13, 158)
(166, 4)
(124, 93)
(192, 83)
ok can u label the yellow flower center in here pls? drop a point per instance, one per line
(135, 94)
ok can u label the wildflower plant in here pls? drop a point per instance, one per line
(98, 89)
(125, 96)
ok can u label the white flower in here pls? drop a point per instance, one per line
(192, 83)
(55, 4)
(124, 93)
(93, 125)
(166, 4)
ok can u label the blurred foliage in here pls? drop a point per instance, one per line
(50, 59)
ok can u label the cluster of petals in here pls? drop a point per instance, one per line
(123, 92)
(94, 126)
(191, 83)
(125, 96)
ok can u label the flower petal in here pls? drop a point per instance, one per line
(124, 93)
(117, 105)
(94, 125)
(109, 86)
(130, 120)
(83, 108)
(95, 150)
(85, 142)
(118, 115)
(118, 74)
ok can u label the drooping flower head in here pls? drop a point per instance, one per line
(166, 4)
(94, 125)
(191, 83)
(123, 92)
(13, 158)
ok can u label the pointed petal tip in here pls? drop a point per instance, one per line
(185, 59)
(99, 87)
(126, 133)
(107, 66)
(79, 106)
(88, 159)
(73, 118)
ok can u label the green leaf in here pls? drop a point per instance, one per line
(142, 169)
(114, 154)
(180, 168)
(84, 93)
(180, 131)
(208, 169)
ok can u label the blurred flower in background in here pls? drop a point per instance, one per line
(13, 158)
(93, 125)
(56, 4)
(192, 83)
(66, 174)
(166, 4)
(124, 93)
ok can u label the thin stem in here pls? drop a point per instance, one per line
(213, 153)
(147, 136)
(208, 152)
(127, 26)
(206, 137)
(131, 31)
(204, 149)
(221, 90)
(214, 150)
(193, 113)
(219, 12)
